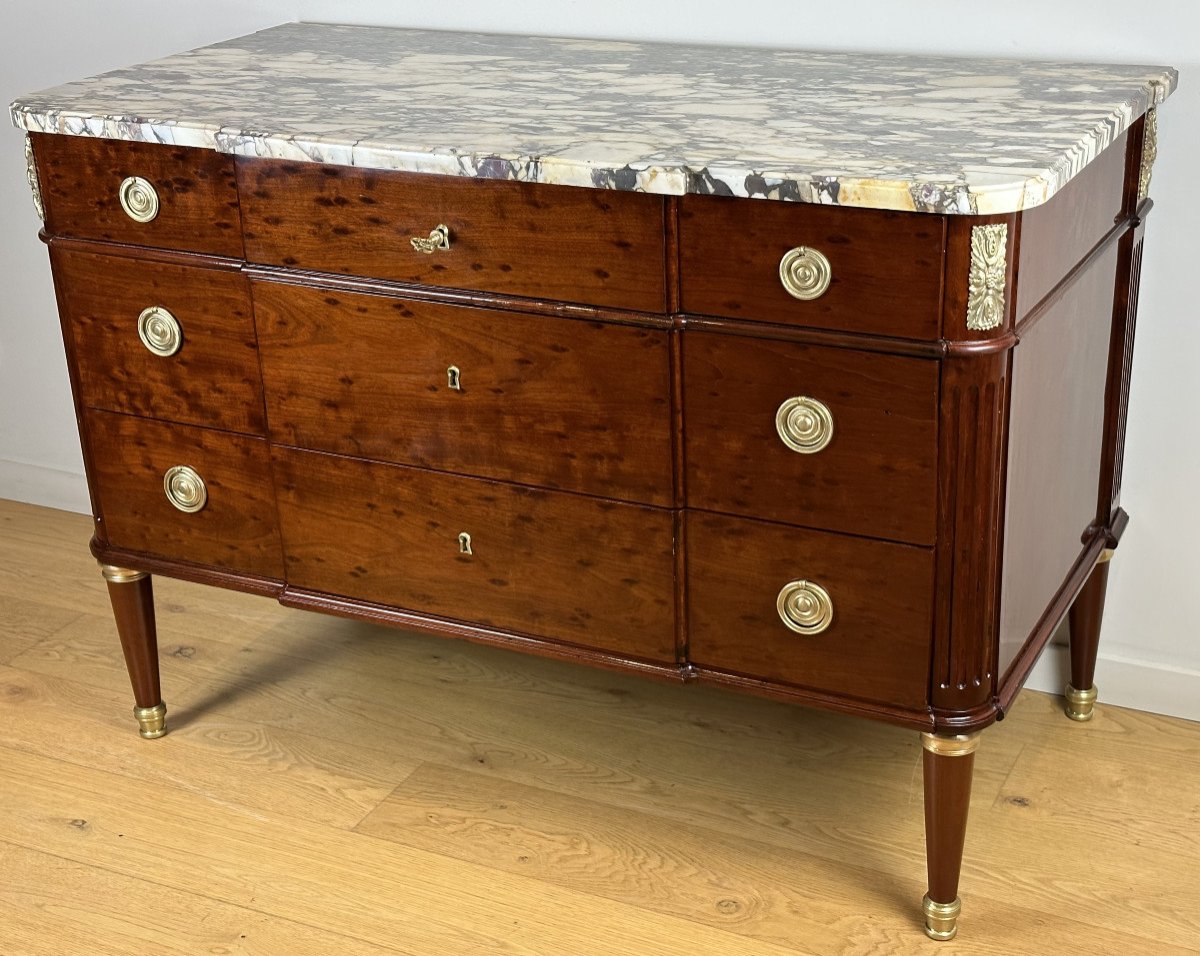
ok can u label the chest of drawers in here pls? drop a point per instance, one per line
(848, 440)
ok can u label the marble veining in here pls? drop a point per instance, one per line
(937, 134)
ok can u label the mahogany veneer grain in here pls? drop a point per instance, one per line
(81, 176)
(550, 564)
(212, 380)
(886, 266)
(877, 646)
(884, 447)
(555, 242)
(581, 406)
(235, 531)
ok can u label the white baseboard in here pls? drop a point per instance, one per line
(1140, 685)
(38, 485)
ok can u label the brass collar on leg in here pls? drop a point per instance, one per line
(1080, 703)
(941, 919)
(115, 575)
(951, 745)
(1105, 556)
(152, 721)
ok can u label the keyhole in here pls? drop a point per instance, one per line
(464, 544)
(452, 378)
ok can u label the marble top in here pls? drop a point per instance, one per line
(936, 134)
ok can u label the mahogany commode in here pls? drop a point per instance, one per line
(864, 459)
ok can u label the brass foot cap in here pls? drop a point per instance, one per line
(1080, 703)
(152, 721)
(941, 919)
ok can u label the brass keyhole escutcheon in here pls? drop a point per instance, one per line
(804, 424)
(454, 378)
(464, 543)
(159, 331)
(185, 489)
(805, 273)
(805, 607)
(138, 198)
(438, 238)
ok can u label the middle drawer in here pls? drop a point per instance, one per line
(829, 438)
(559, 403)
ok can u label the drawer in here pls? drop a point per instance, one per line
(191, 192)
(883, 269)
(543, 563)
(876, 645)
(230, 525)
(554, 242)
(540, 400)
(877, 413)
(155, 339)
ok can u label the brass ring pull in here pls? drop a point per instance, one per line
(185, 489)
(159, 331)
(805, 273)
(804, 424)
(439, 238)
(805, 607)
(138, 199)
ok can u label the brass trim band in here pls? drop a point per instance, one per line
(1106, 555)
(115, 575)
(950, 745)
(1081, 704)
(941, 919)
(152, 721)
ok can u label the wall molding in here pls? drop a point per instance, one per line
(39, 485)
(1140, 685)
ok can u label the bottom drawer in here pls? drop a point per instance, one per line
(550, 564)
(233, 524)
(874, 600)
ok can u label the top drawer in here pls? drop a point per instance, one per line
(854, 270)
(174, 197)
(553, 242)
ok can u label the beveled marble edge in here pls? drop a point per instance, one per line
(982, 191)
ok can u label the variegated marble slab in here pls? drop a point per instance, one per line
(888, 132)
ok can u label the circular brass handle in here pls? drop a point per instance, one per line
(138, 199)
(159, 331)
(185, 489)
(805, 273)
(804, 424)
(805, 607)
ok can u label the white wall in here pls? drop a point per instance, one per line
(1150, 651)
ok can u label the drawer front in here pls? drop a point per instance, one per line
(234, 527)
(168, 341)
(883, 269)
(554, 242)
(533, 399)
(542, 563)
(877, 642)
(745, 399)
(191, 192)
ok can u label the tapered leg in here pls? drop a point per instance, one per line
(1084, 620)
(949, 760)
(132, 598)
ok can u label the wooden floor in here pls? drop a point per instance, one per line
(334, 788)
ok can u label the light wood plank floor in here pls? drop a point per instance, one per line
(333, 788)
